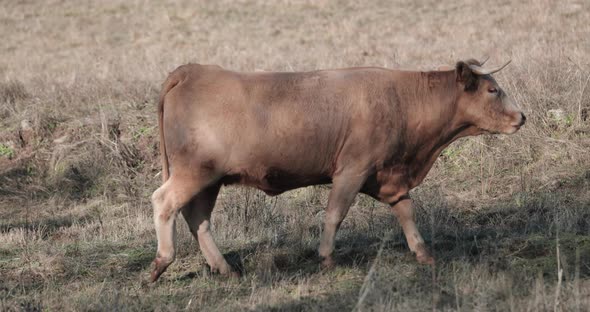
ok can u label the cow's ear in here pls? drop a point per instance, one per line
(466, 77)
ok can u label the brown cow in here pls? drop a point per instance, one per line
(371, 130)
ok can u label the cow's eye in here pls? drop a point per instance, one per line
(492, 90)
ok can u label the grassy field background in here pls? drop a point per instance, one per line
(507, 217)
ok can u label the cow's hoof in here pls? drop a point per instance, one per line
(226, 272)
(423, 256)
(328, 263)
(160, 265)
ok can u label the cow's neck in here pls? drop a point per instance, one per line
(433, 121)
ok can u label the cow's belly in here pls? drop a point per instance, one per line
(274, 181)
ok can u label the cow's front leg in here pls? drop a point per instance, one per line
(344, 189)
(404, 211)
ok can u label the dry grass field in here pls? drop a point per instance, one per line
(507, 217)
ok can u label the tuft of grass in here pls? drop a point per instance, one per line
(6, 150)
(12, 91)
(142, 131)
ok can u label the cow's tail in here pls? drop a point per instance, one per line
(172, 80)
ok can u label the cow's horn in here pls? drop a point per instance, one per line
(478, 70)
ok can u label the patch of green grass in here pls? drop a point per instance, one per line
(139, 259)
(569, 120)
(142, 131)
(51, 125)
(6, 150)
(451, 152)
(7, 255)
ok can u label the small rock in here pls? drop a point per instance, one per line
(62, 139)
(556, 114)
(555, 184)
(25, 125)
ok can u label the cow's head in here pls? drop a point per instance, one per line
(482, 102)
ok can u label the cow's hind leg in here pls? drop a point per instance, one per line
(198, 214)
(344, 189)
(404, 211)
(167, 201)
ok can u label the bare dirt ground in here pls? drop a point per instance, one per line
(507, 217)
